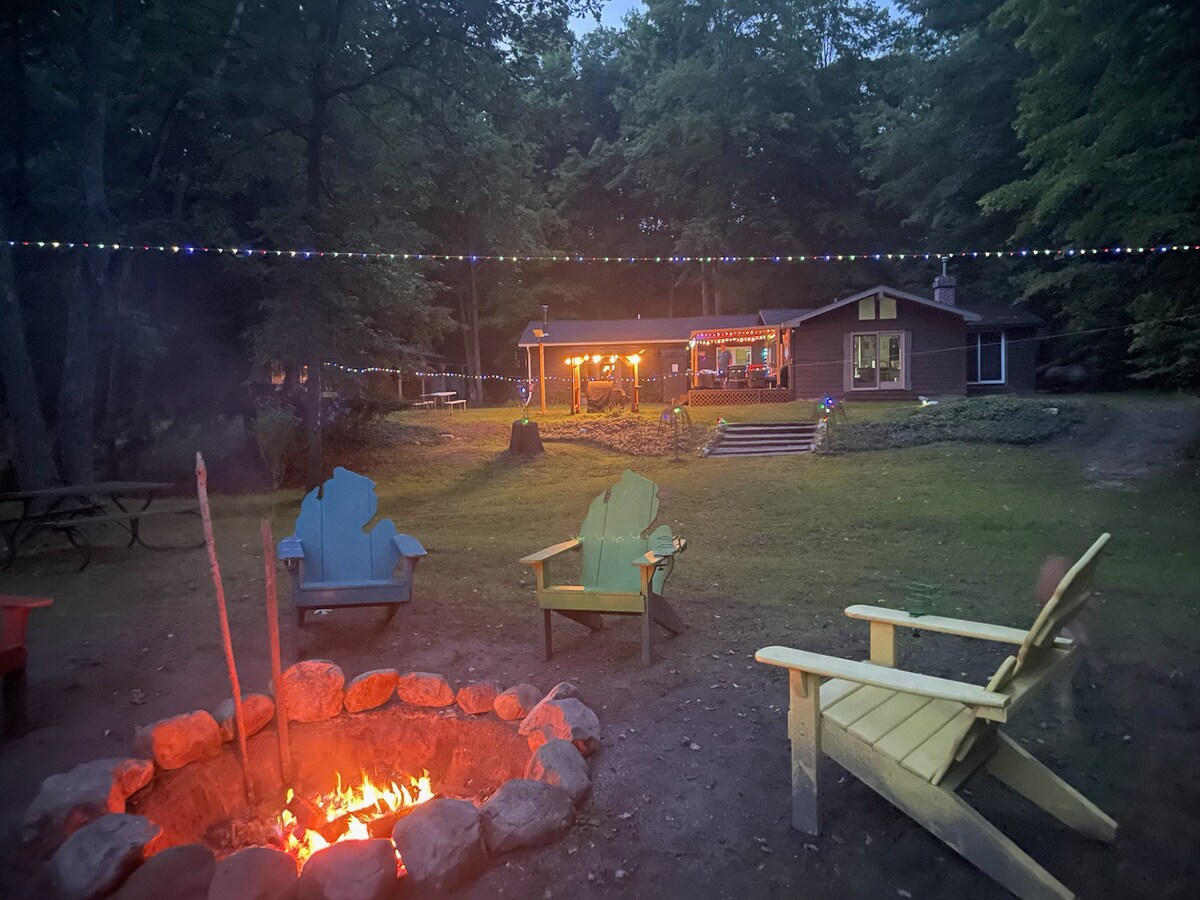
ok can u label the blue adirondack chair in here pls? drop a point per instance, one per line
(624, 568)
(333, 562)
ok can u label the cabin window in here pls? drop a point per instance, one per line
(986, 355)
(887, 307)
(866, 308)
(876, 361)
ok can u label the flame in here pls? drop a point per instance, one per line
(359, 804)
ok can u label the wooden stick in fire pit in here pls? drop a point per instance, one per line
(285, 753)
(223, 615)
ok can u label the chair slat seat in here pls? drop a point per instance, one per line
(920, 733)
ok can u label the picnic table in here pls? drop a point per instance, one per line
(438, 400)
(68, 508)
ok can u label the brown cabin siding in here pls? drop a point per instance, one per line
(934, 352)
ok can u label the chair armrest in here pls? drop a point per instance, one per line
(881, 676)
(962, 627)
(550, 552)
(290, 548)
(9, 601)
(409, 546)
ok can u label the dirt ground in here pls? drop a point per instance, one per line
(134, 641)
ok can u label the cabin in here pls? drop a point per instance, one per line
(882, 343)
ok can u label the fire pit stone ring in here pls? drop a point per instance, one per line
(388, 765)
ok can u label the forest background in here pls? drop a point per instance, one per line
(491, 127)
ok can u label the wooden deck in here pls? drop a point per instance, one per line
(738, 396)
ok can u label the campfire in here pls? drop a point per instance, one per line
(356, 812)
(417, 781)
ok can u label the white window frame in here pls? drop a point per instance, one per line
(905, 383)
(978, 339)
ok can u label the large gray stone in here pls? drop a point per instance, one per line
(478, 698)
(66, 802)
(257, 711)
(100, 855)
(256, 873)
(424, 689)
(517, 701)
(173, 743)
(311, 690)
(177, 873)
(350, 870)
(525, 813)
(568, 720)
(559, 762)
(441, 845)
(564, 690)
(371, 689)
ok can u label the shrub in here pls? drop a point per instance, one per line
(996, 420)
(276, 428)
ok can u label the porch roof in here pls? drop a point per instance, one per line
(611, 332)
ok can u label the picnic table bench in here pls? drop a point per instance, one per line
(67, 509)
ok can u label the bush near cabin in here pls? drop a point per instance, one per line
(990, 420)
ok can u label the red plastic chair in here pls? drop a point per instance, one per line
(14, 615)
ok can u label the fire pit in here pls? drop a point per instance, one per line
(392, 777)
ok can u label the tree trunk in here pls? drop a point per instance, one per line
(329, 21)
(474, 361)
(32, 445)
(77, 399)
(706, 289)
(34, 451)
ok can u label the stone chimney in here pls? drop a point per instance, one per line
(943, 287)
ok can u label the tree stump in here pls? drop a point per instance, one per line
(526, 440)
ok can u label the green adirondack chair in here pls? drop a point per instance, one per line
(333, 562)
(624, 569)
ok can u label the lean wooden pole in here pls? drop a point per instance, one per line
(223, 615)
(285, 752)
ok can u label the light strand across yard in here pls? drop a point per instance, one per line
(1114, 251)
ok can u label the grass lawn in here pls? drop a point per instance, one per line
(778, 546)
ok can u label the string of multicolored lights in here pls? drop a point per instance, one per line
(185, 249)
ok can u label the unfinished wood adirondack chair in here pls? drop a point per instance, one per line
(334, 563)
(624, 570)
(915, 738)
(14, 616)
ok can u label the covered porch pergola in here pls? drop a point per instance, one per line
(739, 365)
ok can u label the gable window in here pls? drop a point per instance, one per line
(876, 361)
(887, 307)
(987, 352)
(866, 308)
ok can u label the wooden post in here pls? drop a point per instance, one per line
(542, 372)
(804, 731)
(883, 644)
(223, 615)
(285, 753)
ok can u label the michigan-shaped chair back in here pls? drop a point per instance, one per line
(330, 527)
(614, 535)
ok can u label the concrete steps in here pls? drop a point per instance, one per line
(765, 439)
